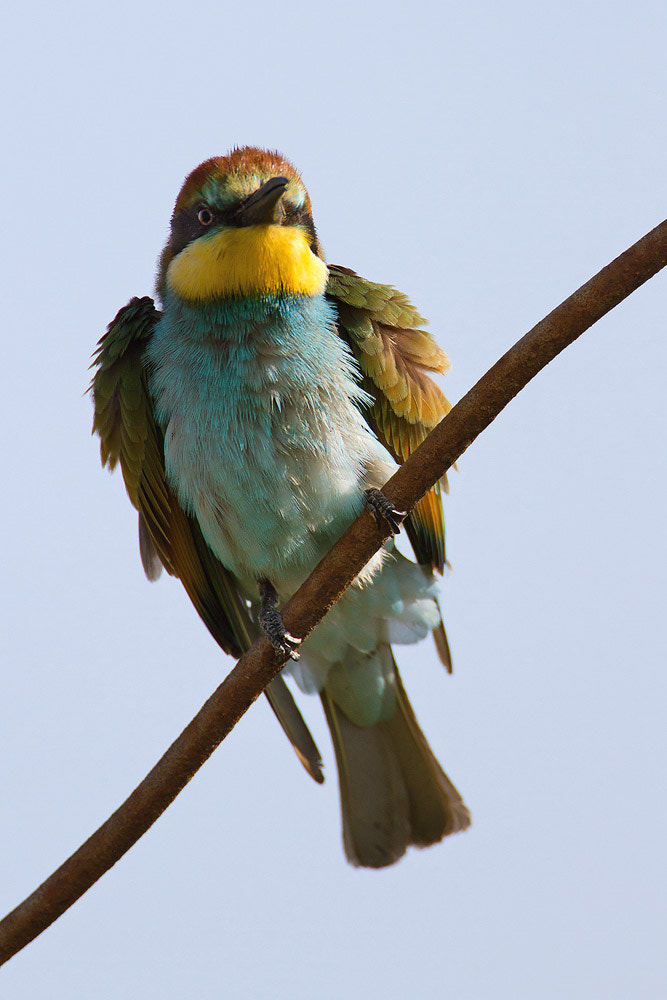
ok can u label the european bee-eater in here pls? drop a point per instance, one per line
(253, 415)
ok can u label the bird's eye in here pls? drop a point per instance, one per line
(205, 216)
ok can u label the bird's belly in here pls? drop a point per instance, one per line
(271, 495)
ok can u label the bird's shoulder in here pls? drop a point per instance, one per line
(122, 410)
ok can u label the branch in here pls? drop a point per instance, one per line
(326, 584)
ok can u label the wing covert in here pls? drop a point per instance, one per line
(395, 355)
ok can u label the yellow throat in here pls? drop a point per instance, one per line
(249, 260)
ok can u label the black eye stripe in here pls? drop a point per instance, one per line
(187, 224)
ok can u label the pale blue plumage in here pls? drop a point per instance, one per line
(266, 444)
(264, 440)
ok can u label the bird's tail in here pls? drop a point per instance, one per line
(393, 791)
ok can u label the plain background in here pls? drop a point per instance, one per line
(487, 159)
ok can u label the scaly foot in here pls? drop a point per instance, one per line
(272, 622)
(383, 509)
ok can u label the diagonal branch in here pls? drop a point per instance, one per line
(325, 585)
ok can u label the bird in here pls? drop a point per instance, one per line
(255, 409)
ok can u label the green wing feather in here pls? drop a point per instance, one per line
(384, 332)
(169, 537)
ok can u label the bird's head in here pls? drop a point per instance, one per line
(242, 226)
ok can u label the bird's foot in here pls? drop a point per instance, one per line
(383, 509)
(273, 625)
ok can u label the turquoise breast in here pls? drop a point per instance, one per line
(265, 441)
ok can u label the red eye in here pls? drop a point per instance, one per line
(205, 216)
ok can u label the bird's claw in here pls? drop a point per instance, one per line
(383, 509)
(273, 626)
(285, 645)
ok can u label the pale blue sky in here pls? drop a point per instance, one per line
(487, 159)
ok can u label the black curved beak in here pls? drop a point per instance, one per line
(262, 206)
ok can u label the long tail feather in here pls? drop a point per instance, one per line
(281, 701)
(393, 791)
(442, 645)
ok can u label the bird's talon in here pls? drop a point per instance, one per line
(273, 626)
(285, 644)
(383, 510)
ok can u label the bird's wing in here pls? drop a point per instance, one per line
(383, 330)
(168, 536)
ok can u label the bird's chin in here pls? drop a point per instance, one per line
(251, 260)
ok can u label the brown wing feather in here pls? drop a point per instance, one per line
(395, 356)
(130, 436)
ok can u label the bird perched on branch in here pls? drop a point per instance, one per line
(254, 415)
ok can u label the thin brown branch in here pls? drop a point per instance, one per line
(325, 585)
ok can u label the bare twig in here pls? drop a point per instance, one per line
(325, 585)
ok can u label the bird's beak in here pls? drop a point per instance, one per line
(262, 206)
